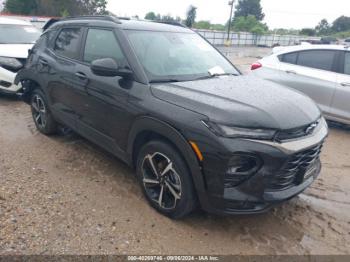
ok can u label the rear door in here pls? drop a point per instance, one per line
(311, 72)
(65, 85)
(341, 102)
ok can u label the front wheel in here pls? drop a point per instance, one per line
(42, 116)
(165, 180)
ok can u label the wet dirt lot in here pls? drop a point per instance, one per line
(63, 195)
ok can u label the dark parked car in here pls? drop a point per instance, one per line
(165, 101)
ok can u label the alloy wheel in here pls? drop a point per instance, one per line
(161, 181)
(39, 111)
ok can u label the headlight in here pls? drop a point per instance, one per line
(11, 63)
(235, 132)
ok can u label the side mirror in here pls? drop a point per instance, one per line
(109, 67)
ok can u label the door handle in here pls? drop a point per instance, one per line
(291, 72)
(345, 84)
(81, 76)
(43, 62)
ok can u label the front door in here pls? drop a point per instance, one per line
(106, 117)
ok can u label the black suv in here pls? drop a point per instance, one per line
(166, 102)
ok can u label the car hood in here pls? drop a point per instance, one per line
(16, 51)
(244, 101)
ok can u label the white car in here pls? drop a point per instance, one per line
(320, 71)
(16, 38)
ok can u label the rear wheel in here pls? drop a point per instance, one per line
(165, 179)
(42, 116)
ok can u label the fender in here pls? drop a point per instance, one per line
(164, 129)
(25, 76)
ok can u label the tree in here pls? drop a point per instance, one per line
(308, 31)
(191, 16)
(249, 24)
(323, 27)
(249, 7)
(56, 8)
(202, 25)
(217, 27)
(25, 7)
(341, 24)
(151, 16)
(167, 18)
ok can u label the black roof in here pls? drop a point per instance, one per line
(123, 23)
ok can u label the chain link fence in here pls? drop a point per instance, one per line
(219, 38)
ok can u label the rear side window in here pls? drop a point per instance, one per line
(347, 63)
(319, 59)
(45, 40)
(101, 43)
(67, 42)
(290, 58)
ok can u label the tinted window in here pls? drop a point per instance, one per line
(320, 59)
(103, 44)
(347, 63)
(290, 58)
(45, 40)
(67, 42)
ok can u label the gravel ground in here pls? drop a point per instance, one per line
(64, 195)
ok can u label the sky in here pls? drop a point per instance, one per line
(278, 13)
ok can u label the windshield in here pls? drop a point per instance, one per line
(18, 34)
(169, 56)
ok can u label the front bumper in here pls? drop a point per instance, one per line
(7, 79)
(296, 162)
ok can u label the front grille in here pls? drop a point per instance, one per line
(294, 170)
(284, 135)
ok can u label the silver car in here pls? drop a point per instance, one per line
(320, 71)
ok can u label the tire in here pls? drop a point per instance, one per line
(42, 116)
(178, 195)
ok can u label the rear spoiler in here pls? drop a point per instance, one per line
(50, 23)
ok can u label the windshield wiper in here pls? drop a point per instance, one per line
(164, 81)
(209, 76)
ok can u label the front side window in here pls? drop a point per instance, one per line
(347, 63)
(18, 34)
(174, 55)
(319, 59)
(67, 42)
(102, 43)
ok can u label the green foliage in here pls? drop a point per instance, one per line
(342, 35)
(191, 16)
(249, 7)
(56, 8)
(323, 28)
(308, 32)
(151, 16)
(341, 24)
(282, 31)
(25, 7)
(202, 25)
(249, 24)
(217, 27)
(206, 25)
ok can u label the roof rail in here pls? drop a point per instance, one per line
(84, 17)
(175, 23)
(93, 17)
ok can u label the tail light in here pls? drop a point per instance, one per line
(255, 66)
